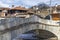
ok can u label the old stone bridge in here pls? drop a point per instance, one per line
(11, 28)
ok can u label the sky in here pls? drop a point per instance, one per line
(26, 3)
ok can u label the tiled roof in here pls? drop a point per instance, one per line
(3, 8)
(19, 8)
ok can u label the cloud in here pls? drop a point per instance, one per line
(25, 3)
(29, 3)
(32, 2)
(3, 5)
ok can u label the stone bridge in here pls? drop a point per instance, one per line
(11, 28)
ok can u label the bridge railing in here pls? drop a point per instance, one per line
(11, 22)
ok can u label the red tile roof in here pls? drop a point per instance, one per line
(19, 8)
(4, 8)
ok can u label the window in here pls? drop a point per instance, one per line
(0, 10)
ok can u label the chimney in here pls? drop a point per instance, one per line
(12, 5)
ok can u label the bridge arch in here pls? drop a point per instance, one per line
(46, 31)
(40, 34)
(43, 34)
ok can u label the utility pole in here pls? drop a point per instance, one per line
(50, 10)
